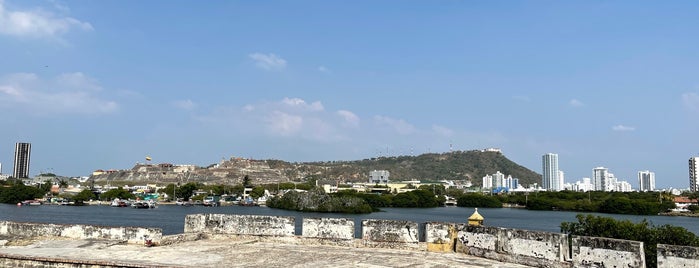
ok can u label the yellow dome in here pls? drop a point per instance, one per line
(476, 216)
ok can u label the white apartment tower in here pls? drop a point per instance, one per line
(646, 181)
(694, 174)
(600, 179)
(550, 173)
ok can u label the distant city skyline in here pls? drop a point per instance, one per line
(308, 81)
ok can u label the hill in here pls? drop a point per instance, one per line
(459, 165)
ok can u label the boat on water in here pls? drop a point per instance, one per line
(30, 203)
(143, 204)
(212, 201)
(119, 203)
(181, 202)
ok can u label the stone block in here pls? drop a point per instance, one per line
(240, 224)
(671, 256)
(328, 228)
(390, 231)
(440, 237)
(607, 252)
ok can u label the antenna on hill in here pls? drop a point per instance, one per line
(451, 148)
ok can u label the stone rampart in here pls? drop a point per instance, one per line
(328, 228)
(670, 256)
(533, 248)
(77, 231)
(390, 233)
(606, 252)
(239, 224)
(441, 237)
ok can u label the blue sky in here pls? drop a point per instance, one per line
(102, 84)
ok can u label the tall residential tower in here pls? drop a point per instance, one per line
(646, 181)
(22, 153)
(694, 174)
(550, 179)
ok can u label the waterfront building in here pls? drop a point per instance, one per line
(550, 174)
(646, 181)
(602, 179)
(22, 156)
(511, 183)
(694, 174)
(582, 186)
(498, 179)
(487, 182)
(379, 176)
(622, 186)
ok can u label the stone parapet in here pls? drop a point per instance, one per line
(239, 224)
(135, 235)
(328, 228)
(607, 252)
(533, 248)
(670, 256)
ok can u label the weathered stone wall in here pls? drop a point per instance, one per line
(390, 231)
(328, 228)
(440, 236)
(540, 249)
(607, 252)
(670, 256)
(239, 224)
(77, 231)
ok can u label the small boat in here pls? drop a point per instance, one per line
(140, 204)
(31, 203)
(119, 203)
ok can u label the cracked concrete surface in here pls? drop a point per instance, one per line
(240, 253)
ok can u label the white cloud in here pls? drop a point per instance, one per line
(576, 103)
(398, 125)
(37, 23)
(72, 93)
(691, 101)
(300, 103)
(623, 128)
(323, 69)
(184, 104)
(284, 124)
(442, 131)
(268, 61)
(351, 119)
(78, 80)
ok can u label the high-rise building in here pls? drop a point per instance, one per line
(498, 179)
(694, 174)
(487, 182)
(550, 172)
(646, 181)
(22, 153)
(600, 179)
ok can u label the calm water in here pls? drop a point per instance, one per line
(170, 218)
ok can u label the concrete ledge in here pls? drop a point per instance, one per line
(328, 228)
(441, 237)
(607, 252)
(135, 235)
(390, 231)
(533, 248)
(239, 224)
(10, 260)
(671, 256)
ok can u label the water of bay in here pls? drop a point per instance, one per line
(170, 218)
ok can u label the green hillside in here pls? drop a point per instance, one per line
(460, 165)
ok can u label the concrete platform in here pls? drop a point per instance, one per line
(228, 253)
